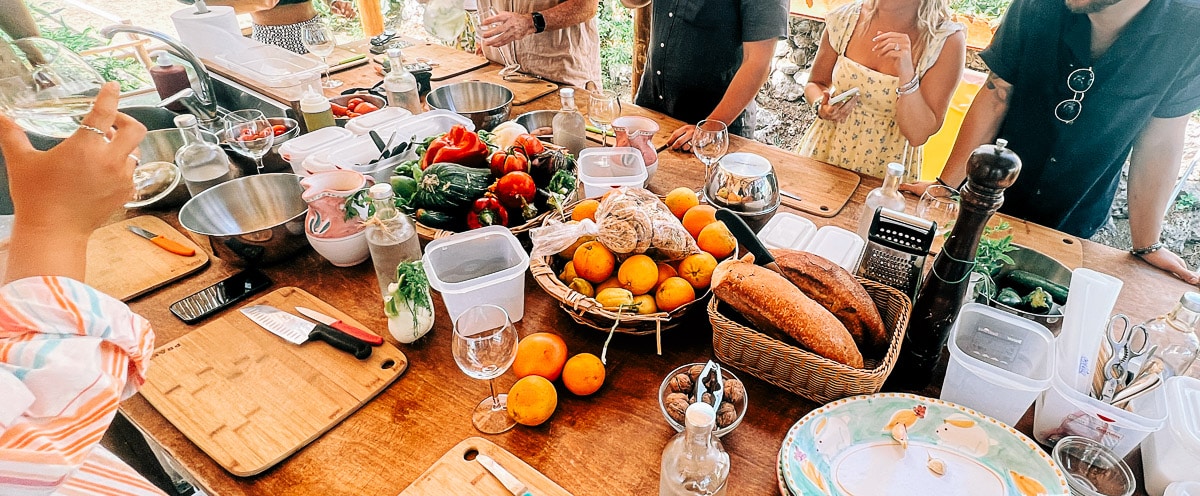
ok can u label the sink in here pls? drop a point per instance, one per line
(233, 96)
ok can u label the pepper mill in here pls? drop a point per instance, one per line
(990, 170)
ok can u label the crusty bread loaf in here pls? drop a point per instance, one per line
(830, 285)
(770, 302)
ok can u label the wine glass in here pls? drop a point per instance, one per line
(318, 38)
(485, 345)
(710, 141)
(603, 107)
(939, 204)
(251, 132)
(45, 87)
(511, 68)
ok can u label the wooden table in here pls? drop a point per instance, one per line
(609, 443)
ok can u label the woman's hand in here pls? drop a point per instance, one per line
(344, 8)
(837, 112)
(917, 188)
(506, 27)
(896, 48)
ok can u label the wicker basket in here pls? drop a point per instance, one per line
(804, 372)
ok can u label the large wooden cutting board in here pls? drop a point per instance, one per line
(457, 473)
(523, 92)
(1067, 249)
(249, 399)
(124, 265)
(447, 62)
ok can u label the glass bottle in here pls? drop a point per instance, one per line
(1175, 335)
(316, 111)
(391, 236)
(887, 196)
(569, 128)
(202, 164)
(400, 84)
(694, 462)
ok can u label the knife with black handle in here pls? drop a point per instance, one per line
(746, 238)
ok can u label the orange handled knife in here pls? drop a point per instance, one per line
(164, 243)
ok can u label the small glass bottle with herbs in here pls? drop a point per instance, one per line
(408, 304)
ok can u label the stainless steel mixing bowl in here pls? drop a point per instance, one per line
(252, 220)
(746, 184)
(486, 104)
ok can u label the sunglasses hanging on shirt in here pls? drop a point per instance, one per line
(1078, 81)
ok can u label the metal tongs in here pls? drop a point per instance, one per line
(710, 368)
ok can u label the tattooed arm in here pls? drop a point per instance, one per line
(980, 125)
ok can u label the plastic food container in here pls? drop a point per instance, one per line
(787, 230)
(287, 72)
(422, 125)
(1172, 455)
(295, 150)
(999, 362)
(476, 267)
(840, 246)
(380, 120)
(602, 168)
(1188, 488)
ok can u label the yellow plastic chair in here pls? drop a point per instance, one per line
(937, 149)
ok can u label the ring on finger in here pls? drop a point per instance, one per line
(896, 47)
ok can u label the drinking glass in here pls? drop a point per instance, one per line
(603, 107)
(45, 87)
(940, 205)
(485, 345)
(318, 38)
(251, 132)
(710, 141)
(511, 70)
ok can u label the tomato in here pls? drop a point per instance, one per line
(516, 189)
(502, 162)
(365, 107)
(529, 144)
(353, 102)
(337, 110)
(279, 129)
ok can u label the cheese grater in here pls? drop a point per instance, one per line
(897, 245)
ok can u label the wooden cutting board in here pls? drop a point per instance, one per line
(523, 93)
(249, 399)
(124, 265)
(1067, 249)
(447, 62)
(457, 473)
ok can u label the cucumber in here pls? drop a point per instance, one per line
(1026, 281)
(435, 219)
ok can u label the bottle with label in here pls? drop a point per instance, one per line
(400, 84)
(694, 462)
(169, 78)
(1175, 336)
(569, 127)
(316, 111)
(202, 164)
(887, 196)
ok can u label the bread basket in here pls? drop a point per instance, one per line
(801, 371)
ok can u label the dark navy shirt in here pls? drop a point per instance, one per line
(696, 48)
(1070, 173)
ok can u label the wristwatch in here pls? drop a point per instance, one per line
(539, 22)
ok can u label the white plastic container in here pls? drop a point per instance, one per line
(381, 120)
(999, 363)
(1187, 488)
(841, 246)
(1172, 455)
(1062, 411)
(295, 150)
(485, 265)
(419, 126)
(355, 153)
(277, 68)
(787, 230)
(602, 168)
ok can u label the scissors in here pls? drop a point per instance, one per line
(1127, 343)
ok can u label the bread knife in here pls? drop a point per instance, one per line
(747, 239)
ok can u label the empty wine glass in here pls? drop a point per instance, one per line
(710, 141)
(603, 108)
(251, 132)
(485, 345)
(45, 87)
(318, 38)
(939, 204)
(511, 70)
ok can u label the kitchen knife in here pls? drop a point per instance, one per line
(164, 243)
(370, 338)
(297, 330)
(746, 238)
(514, 486)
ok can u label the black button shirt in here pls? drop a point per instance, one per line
(696, 48)
(1070, 173)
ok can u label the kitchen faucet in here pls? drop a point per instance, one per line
(203, 104)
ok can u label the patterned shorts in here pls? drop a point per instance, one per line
(284, 36)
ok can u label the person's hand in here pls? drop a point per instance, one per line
(57, 190)
(896, 48)
(917, 188)
(344, 8)
(837, 112)
(506, 27)
(681, 139)
(1168, 261)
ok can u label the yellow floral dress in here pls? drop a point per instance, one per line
(869, 138)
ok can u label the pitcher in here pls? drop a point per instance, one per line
(326, 194)
(635, 131)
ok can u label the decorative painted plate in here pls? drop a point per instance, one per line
(904, 444)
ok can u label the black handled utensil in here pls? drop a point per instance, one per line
(746, 238)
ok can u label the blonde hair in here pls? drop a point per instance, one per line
(931, 14)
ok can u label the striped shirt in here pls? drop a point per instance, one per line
(68, 355)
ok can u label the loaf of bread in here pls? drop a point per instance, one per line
(835, 289)
(770, 302)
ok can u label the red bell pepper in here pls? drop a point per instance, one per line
(487, 211)
(458, 146)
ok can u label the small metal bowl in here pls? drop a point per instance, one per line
(746, 184)
(1036, 263)
(726, 375)
(366, 97)
(249, 221)
(538, 119)
(486, 104)
(157, 185)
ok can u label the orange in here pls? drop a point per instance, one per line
(679, 200)
(697, 217)
(611, 282)
(716, 239)
(594, 262)
(541, 354)
(674, 293)
(664, 271)
(638, 274)
(583, 374)
(586, 209)
(645, 304)
(697, 270)
(532, 400)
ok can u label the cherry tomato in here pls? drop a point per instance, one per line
(365, 107)
(279, 129)
(337, 110)
(353, 102)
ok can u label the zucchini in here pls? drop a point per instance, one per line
(435, 219)
(1027, 281)
(1009, 297)
(448, 187)
(1037, 301)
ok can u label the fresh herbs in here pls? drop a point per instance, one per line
(411, 289)
(993, 254)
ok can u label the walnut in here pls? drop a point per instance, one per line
(694, 371)
(707, 398)
(671, 397)
(726, 415)
(677, 408)
(734, 391)
(681, 383)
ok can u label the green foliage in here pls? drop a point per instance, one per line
(988, 9)
(616, 42)
(126, 71)
(348, 29)
(1187, 201)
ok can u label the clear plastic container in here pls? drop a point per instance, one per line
(999, 362)
(603, 168)
(1187, 488)
(295, 150)
(787, 230)
(481, 266)
(841, 246)
(381, 120)
(268, 65)
(1173, 454)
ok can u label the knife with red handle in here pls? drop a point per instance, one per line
(365, 336)
(164, 243)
